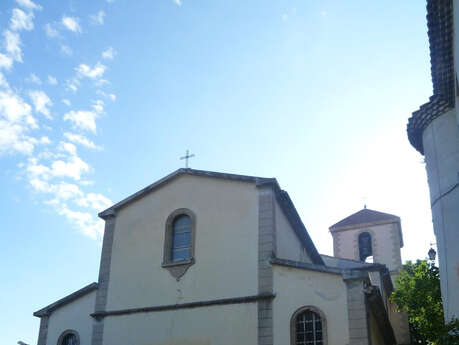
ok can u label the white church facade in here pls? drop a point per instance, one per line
(210, 258)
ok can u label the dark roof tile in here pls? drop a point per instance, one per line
(365, 216)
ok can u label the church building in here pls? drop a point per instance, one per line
(207, 258)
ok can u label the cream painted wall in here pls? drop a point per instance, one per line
(288, 245)
(218, 325)
(441, 150)
(75, 316)
(296, 288)
(226, 244)
(385, 240)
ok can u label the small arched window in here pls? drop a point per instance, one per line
(181, 238)
(69, 337)
(308, 327)
(179, 242)
(365, 247)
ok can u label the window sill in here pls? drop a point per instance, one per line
(178, 268)
(178, 263)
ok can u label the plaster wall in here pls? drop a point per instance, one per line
(296, 288)
(218, 325)
(441, 150)
(74, 316)
(288, 245)
(375, 333)
(225, 252)
(385, 243)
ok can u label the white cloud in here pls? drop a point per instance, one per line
(21, 20)
(81, 140)
(86, 71)
(83, 119)
(178, 2)
(41, 102)
(66, 50)
(15, 121)
(33, 79)
(109, 53)
(98, 18)
(14, 109)
(13, 45)
(3, 82)
(51, 32)
(67, 147)
(73, 84)
(96, 201)
(71, 23)
(84, 221)
(98, 106)
(74, 167)
(110, 96)
(52, 80)
(45, 140)
(29, 5)
(5, 61)
(62, 190)
(66, 101)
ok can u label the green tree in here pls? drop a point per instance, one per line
(418, 292)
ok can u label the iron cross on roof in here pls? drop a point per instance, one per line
(186, 157)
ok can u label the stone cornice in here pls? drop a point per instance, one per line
(191, 305)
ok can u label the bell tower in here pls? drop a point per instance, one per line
(370, 236)
(375, 237)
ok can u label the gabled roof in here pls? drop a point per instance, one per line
(282, 197)
(367, 217)
(364, 217)
(440, 31)
(67, 299)
(258, 180)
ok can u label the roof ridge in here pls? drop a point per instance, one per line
(256, 179)
(364, 216)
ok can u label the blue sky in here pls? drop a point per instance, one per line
(100, 98)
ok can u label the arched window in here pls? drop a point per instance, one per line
(308, 327)
(181, 238)
(179, 242)
(69, 337)
(365, 247)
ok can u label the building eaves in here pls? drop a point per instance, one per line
(184, 171)
(66, 300)
(440, 32)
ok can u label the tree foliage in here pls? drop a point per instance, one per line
(418, 292)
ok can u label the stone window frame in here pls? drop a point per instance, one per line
(301, 310)
(67, 332)
(177, 269)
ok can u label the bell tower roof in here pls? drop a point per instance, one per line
(364, 217)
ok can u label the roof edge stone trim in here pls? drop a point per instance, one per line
(440, 32)
(183, 171)
(364, 218)
(362, 225)
(295, 221)
(66, 300)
